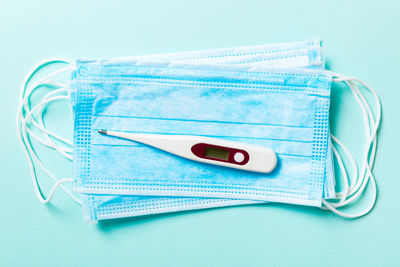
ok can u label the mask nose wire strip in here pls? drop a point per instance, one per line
(358, 185)
(23, 125)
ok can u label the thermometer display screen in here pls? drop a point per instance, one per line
(212, 152)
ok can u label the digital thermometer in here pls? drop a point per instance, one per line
(208, 150)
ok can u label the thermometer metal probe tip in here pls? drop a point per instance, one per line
(102, 131)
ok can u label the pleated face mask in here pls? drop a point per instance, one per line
(304, 55)
(286, 110)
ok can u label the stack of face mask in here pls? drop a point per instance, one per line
(275, 96)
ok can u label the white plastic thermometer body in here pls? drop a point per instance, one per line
(208, 150)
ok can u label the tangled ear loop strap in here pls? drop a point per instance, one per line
(26, 115)
(359, 182)
(66, 149)
(40, 124)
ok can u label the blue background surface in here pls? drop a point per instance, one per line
(361, 39)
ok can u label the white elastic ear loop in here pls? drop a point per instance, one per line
(33, 157)
(25, 94)
(24, 138)
(344, 177)
(64, 150)
(358, 184)
(40, 126)
(354, 166)
(358, 189)
(37, 159)
(369, 119)
(341, 203)
(369, 157)
(42, 82)
(343, 171)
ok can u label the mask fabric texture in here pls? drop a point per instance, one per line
(286, 110)
(302, 54)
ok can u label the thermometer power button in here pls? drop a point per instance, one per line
(238, 157)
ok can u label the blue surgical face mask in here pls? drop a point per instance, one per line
(103, 206)
(286, 110)
(307, 54)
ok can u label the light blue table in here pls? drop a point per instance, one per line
(361, 39)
